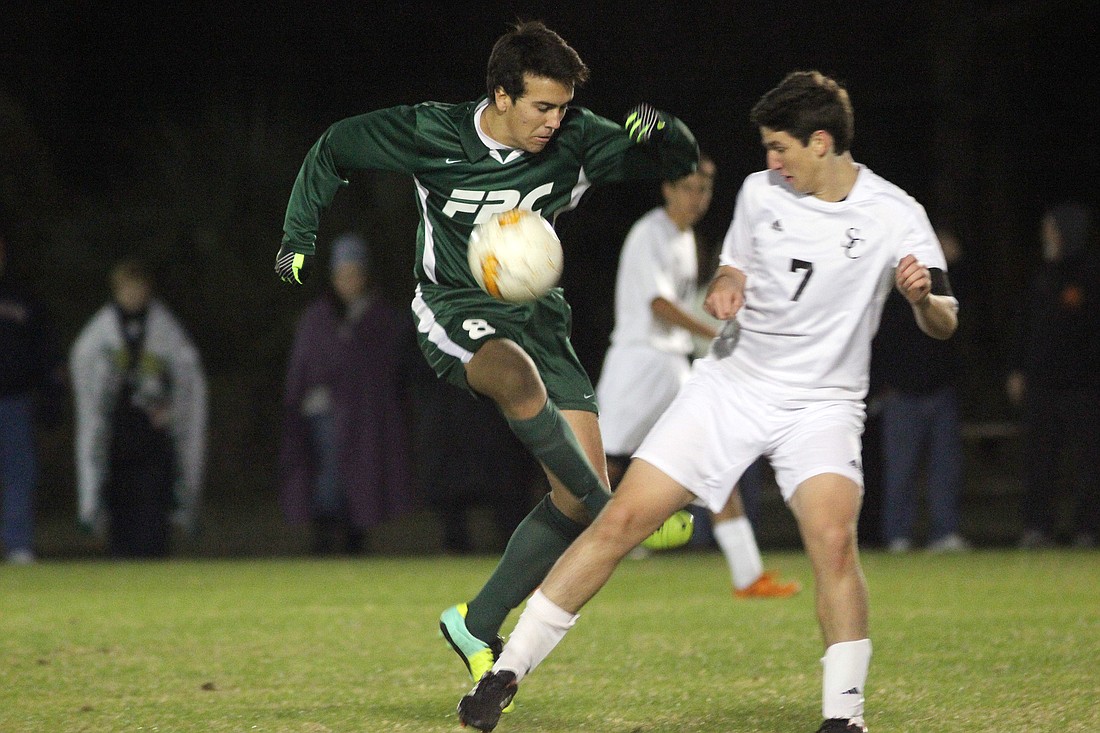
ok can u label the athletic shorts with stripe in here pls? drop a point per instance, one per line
(453, 323)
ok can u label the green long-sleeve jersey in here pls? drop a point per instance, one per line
(460, 182)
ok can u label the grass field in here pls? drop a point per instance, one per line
(990, 641)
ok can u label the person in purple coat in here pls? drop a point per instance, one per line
(345, 463)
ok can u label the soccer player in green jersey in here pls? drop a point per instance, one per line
(525, 146)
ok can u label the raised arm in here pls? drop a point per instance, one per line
(379, 140)
(935, 310)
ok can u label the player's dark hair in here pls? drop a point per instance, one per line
(805, 102)
(703, 159)
(532, 48)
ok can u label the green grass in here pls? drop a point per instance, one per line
(990, 641)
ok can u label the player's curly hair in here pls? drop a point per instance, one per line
(805, 102)
(532, 48)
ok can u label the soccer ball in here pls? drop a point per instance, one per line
(675, 532)
(515, 256)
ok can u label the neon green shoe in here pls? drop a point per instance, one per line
(474, 653)
(675, 532)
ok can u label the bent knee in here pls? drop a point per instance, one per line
(834, 546)
(623, 526)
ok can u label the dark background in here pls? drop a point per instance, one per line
(175, 130)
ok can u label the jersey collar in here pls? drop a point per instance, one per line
(476, 144)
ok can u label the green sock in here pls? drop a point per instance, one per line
(550, 439)
(536, 544)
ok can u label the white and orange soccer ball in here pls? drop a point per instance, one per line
(515, 256)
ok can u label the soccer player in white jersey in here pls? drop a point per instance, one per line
(816, 242)
(649, 357)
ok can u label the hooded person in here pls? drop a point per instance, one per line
(1055, 378)
(345, 453)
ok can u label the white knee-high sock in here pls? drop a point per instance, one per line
(845, 675)
(539, 629)
(738, 543)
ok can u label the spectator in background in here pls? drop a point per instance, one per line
(30, 366)
(344, 462)
(919, 415)
(141, 416)
(651, 348)
(1055, 378)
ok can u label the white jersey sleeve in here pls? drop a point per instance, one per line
(818, 274)
(737, 246)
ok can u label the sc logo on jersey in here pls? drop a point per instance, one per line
(854, 240)
(483, 204)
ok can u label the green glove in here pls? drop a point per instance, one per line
(644, 123)
(293, 264)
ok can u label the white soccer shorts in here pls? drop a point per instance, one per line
(721, 421)
(636, 384)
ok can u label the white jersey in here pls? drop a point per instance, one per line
(658, 259)
(818, 274)
(648, 359)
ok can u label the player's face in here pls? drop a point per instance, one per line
(797, 163)
(689, 198)
(349, 280)
(133, 296)
(529, 121)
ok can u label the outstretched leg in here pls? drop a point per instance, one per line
(644, 499)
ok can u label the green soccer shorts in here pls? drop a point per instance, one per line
(453, 323)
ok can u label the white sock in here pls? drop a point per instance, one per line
(738, 543)
(539, 629)
(845, 675)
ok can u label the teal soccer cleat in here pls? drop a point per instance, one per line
(474, 653)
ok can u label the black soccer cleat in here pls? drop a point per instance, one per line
(481, 707)
(841, 725)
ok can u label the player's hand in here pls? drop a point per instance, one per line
(292, 264)
(726, 294)
(644, 123)
(913, 280)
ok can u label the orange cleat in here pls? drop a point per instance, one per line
(768, 586)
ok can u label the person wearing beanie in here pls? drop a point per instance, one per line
(344, 459)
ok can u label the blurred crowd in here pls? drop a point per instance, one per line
(369, 435)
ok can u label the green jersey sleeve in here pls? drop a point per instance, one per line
(379, 140)
(610, 156)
